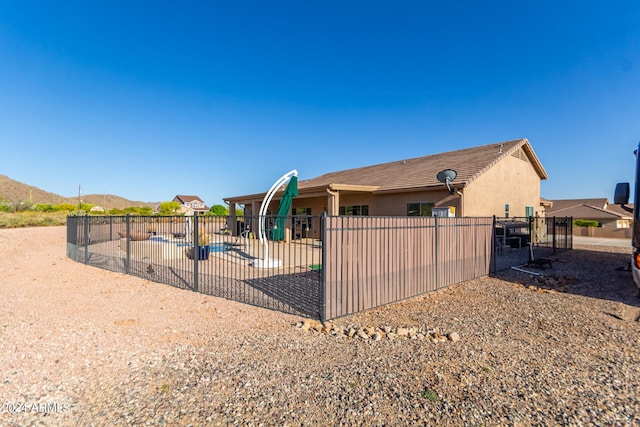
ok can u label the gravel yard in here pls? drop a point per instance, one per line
(84, 346)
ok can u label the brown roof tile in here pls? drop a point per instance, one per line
(185, 199)
(569, 203)
(420, 172)
(596, 208)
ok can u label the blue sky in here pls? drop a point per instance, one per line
(149, 99)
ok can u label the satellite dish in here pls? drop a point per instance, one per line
(446, 176)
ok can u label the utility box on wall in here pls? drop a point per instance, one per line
(444, 211)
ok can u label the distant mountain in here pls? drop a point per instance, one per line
(109, 201)
(14, 191)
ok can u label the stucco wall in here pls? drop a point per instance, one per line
(621, 233)
(383, 204)
(512, 181)
(396, 204)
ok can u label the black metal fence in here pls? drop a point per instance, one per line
(518, 241)
(201, 254)
(208, 254)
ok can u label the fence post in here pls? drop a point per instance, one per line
(530, 221)
(86, 239)
(569, 233)
(128, 244)
(555, 232)
(436, 244)
(196, 252)
(493, 247)
(110, 228)
(323, 269)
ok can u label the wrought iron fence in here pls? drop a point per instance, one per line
(328, 267)
(519, 240)
(201, 254)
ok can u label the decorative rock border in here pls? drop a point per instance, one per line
(368, 333)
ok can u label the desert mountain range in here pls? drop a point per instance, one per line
(14, 191)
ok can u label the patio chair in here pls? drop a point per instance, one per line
(501, 245)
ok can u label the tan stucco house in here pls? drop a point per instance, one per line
(192, 205)
(597, 209)
(501, 179)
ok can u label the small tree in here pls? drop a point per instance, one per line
(168, 208)
(219, 210)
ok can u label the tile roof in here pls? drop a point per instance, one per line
(617, 209)
(420, 172)
(185, 199)
(569, 203)
(596, 208)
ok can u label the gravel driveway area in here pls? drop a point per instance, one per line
(89, 347)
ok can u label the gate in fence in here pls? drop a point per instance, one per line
(327, 268)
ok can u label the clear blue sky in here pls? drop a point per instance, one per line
(149, 99)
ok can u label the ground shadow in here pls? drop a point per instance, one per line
(297, 293)
(590, 273)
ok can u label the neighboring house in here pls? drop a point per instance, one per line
(608, 215)
(192, 204)
(501, 179)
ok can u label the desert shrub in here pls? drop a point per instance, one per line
(44, 208)
(130, 211)
(67, 207)
(585, 223)
(21, 205)
(145, 211)
(134, 210)
(32, 219)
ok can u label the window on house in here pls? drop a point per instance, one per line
(528, 211)
(302, 224)
(301, 211)
(506, 210)
(356, 210)
(419, 209)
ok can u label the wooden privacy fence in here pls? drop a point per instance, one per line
(373, 261)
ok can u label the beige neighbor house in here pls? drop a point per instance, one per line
(501, 179)
(193, 205)
(599, 209)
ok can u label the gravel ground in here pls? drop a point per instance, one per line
(84, 346)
